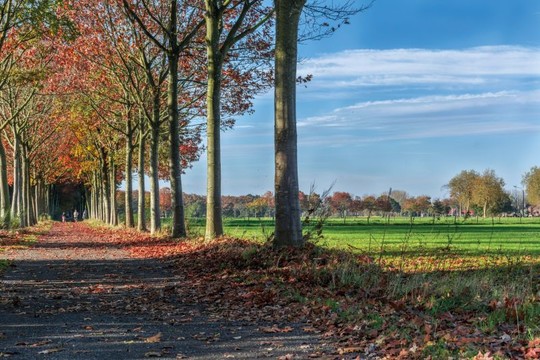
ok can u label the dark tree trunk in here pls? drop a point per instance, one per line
(288, 228)
(16, 197)
(5, 211)
(129, 176)
(155, 220)
(141, 210)
(178, 225)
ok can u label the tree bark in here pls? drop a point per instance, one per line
(141, 206)
(288, 228)
(214, 223)
(178, 225)
(155, 220)
(105, 188)
(5, 211)
(113, 219)
(16, 197)
(129, 176)
(24, 206)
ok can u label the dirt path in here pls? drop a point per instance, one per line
(73, 296)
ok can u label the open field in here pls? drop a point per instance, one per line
(405, 238)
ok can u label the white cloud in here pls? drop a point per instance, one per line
(429, 117)
(366, 67)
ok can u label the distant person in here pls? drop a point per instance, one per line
(75, 215)
(84, 214)
(64, 216)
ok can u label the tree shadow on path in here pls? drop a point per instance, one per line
(63, 299)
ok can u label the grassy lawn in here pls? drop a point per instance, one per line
(398, 240)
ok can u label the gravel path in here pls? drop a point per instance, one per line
(71, 297)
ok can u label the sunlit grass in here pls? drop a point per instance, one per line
(415, 244)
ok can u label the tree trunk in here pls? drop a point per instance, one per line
(178, 225)
(288, 228)
(105, 189)
(129, 177)
(214, 223)
(24, 206)
(27, 191)
(94, 213)
(155, 219)
(5, 211)
(15, 200)
(141, 209)
(113, 219)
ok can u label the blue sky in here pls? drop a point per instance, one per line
(407, 96)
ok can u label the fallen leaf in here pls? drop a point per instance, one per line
(153, 339)
(275, 329)
(153, 354)
(8, 353)
(348, 350)
(286, 357)
(50, 351)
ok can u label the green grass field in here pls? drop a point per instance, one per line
(401, 237)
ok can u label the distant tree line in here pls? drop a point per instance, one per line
(471, 194)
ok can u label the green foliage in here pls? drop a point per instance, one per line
(462, 188)
(531, 181)
(3, 264)
(43, 15)
(15, 223)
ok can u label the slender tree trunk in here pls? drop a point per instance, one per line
(48, 208)
(129, 177)
(15, 200)
(24, 206)
(106, 189)
(178, 225)
(39, 203)
(5, 211)
(113, 219)
(214, 223)
(141, 209)
(93, 195)
(27, 193)
(288, 228)
(155, 219)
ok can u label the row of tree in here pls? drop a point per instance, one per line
(94, 91)
(470, 193)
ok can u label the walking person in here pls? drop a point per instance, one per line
(75, 215)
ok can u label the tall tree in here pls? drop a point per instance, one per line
(288, 226)
(172, 41)
(531, 181)
(489, 191)
(227, 23)
(462, 189)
